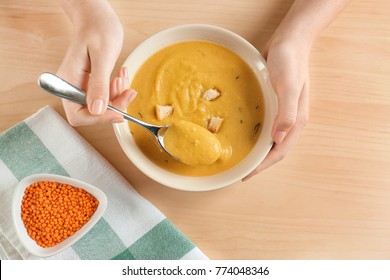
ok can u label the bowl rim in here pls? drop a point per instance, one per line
(21, 230)
(187, 183)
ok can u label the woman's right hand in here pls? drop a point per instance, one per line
(89, 61)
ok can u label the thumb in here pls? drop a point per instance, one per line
(99, 85)
(287, 114)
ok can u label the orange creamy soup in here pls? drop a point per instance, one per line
(201, 147)
(205, 84)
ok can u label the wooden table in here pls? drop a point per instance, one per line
(329, 199)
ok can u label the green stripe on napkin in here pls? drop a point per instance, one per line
(163, 241)
(24, 153)
(101, 242)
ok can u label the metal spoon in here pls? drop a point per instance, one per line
(57, 86)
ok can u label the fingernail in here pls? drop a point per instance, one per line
(132, 95)
(126, 83)
(245, 179)
(97, 107)
(279, 136)
(119, 85)
(251, 174)
(126, 72)
(121, 73)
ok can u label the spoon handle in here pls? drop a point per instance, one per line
(61, 88)
(57, 86)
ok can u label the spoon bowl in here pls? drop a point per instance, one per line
(61, 88)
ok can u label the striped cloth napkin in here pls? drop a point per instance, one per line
(131, 228)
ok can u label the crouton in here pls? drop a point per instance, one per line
(215, 124)
(163, 111)
(211, 94)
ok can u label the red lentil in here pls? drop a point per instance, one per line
(52, 211)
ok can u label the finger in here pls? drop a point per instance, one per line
(124, 99)
(99, 83)
(123, 84)
(82, 116)
(276, 154)
(121, 102)
(115, 87)
(73, 69)
(287, 112)
(119, 83)
(79, 115)
(279, 151)
(124, 72)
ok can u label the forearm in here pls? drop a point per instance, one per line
(82, 12)
(307, 18)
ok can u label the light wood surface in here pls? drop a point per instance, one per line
(328, 199)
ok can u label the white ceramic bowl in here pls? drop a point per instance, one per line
(21, 231)
(232, 41)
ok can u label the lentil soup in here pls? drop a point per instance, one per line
(198, 82)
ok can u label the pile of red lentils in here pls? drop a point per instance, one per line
(52, 211)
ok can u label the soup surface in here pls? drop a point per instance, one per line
(192, 144)
(178, 76)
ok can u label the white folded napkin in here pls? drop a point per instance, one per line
(131, 228)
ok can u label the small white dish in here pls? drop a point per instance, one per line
(21, 231)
